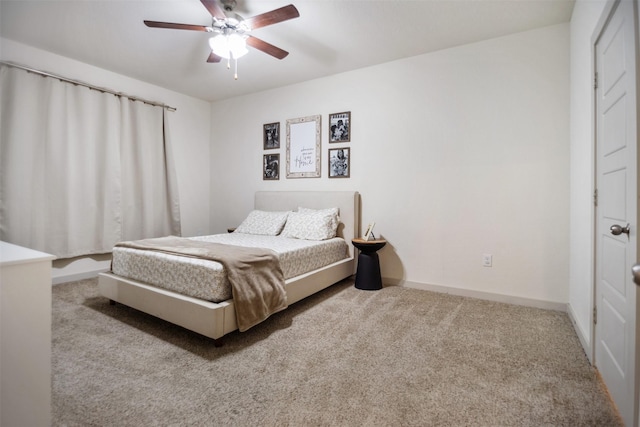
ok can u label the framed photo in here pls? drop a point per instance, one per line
(271, 135)
(340, 127)
(368, 235)
(271, 166)
(303, 147)
(339, 162)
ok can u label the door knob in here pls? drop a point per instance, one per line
(616, 229)
(635, 270)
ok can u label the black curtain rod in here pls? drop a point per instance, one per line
(79, 83)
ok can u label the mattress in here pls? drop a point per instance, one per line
(206, 279)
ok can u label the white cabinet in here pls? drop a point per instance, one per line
(25, 336)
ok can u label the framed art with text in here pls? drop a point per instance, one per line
(303, 147)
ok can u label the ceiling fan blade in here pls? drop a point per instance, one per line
(269, 18)
(173, 26)
(214, 8)
(213, 57)
(267, 48)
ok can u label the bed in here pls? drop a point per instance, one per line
(212, 319)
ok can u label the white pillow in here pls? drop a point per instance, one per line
(330, 211)
(311, 225)
(263, 222)
(333, 211)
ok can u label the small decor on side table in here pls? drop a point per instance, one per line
(368, 235)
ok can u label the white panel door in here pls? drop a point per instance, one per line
(616, 175)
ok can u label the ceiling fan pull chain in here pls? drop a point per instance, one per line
(235, 75)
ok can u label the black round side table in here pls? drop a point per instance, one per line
(368, 274)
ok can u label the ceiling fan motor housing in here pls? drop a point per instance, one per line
(229, 5)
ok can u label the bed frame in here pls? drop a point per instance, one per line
(215, 320)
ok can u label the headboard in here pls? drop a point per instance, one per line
(348, 203)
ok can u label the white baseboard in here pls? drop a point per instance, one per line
(583, 336)
(79, 268)
(528, 302)
(77, 276)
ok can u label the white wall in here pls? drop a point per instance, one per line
(456, 154)
(586, 14)
(189, 127)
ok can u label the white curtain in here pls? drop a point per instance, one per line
(148, 210)
(81, 169)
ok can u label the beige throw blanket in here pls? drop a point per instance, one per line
(256, 279)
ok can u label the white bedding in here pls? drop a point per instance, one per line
(206, 279)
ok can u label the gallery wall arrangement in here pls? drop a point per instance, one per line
(304, 145)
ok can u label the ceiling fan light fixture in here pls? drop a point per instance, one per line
(237, 45)
(229, 45)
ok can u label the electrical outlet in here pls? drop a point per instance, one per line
(487, 260)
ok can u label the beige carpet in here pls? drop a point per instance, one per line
(344, 357)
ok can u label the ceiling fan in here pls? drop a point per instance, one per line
(232, 31)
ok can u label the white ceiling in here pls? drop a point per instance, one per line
(329, 37)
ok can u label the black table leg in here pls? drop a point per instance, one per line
(368, 274)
